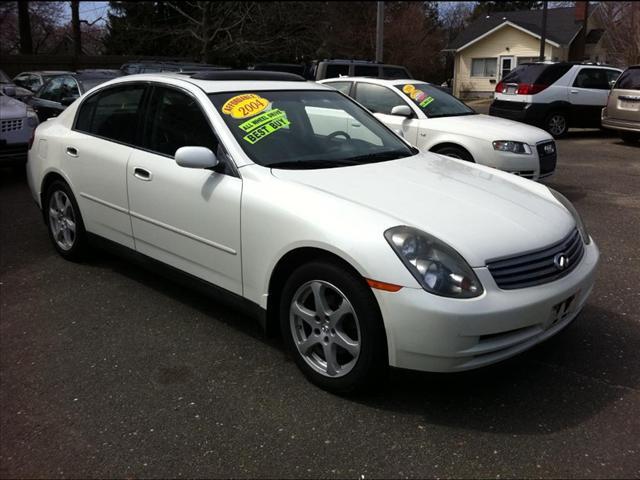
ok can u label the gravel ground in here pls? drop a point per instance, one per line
(107, 370)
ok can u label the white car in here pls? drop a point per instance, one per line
(435, 121)
(365, 253)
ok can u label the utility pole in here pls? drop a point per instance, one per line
(75, 27)
(24, 25)
(380, 32)
(543, 36)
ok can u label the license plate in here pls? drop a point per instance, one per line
(510, 90)
(562, 310)
(629, 105)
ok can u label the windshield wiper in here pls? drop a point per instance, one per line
(380, 156)
(462, 114)
(309, 164)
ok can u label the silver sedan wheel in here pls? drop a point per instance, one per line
(325, 328)
(557, 125)
(62, 220)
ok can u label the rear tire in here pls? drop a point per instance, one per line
(64, 222)
(629, 137)
(329, 312)
(455, 152)
(557, 124)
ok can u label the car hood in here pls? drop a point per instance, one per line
(12, 108)
(483, 213)
(489, 128)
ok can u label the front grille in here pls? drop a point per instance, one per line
(10, 125)
(547, 160)
(506, 105)
(538, 267)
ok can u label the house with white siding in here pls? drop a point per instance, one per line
(493, 45)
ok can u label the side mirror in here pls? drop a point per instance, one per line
(402, 111)
(611, 84)
(9, 90)
(66, 101)
(196, 157)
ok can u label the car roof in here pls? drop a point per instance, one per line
(219, 86)
(381, 81)
(46, 72)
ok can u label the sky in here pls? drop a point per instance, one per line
(90, 11)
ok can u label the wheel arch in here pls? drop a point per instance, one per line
(50, 177)
(445, 144)
(285, 266)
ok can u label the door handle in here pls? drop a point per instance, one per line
(573, 91)
(355, 124)
(72, 151)
(142, 174)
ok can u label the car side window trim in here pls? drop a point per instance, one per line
(354, 90)
(232, 169)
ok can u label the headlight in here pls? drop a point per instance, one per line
(511, 146)
(436, 266)
(576, 216)
(32, 117)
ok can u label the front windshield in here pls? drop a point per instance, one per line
(433, 101)
(306, 129)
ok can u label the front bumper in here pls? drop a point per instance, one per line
(534, 166)
(438, 334)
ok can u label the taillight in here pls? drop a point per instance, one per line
(32, 138)
(530, 88)
(499, 87)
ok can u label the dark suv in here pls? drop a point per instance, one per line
(554, 96)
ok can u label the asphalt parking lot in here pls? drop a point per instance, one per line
(107, 370)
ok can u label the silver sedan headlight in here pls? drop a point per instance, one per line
(576, 216)
(32, 117)
(437, 267)
(511, 146)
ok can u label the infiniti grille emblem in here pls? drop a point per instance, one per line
(561, 261)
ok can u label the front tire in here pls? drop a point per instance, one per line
(455, 152)
(332, 326)
(557, 124)
(64, 222)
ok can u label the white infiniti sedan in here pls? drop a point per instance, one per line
(364, 253)
(435, 121)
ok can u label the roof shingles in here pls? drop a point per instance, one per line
(561, 25)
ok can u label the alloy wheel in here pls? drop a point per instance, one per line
(325, 328)
(62, 220)
(557, 125)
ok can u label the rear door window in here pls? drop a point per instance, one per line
(344, 87)
(592, 78)
(112, 114)
(366, 71)
(377, 98)
(336, 70)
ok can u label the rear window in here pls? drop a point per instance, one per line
(365, 71)
(394, 72)
(629, 80)
(536, 73)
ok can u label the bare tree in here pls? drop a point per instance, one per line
(26, 43)
(212, 24)
(75, 27)
(622, 32)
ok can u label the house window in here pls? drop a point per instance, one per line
(522, 60)
(483, 67)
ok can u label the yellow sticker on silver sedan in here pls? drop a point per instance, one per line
(245, 105)
(267, 129)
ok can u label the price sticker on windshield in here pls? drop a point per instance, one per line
(245, 105)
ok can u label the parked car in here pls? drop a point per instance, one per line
(12, 90)
(554, 96)
(622, 112)
(17, 122)
(321, 69)
(143, 66)
(363, 250)
(34, 80)
(59, 92)
(297, 68)
(433, 120)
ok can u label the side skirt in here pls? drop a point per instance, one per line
(215, 292)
